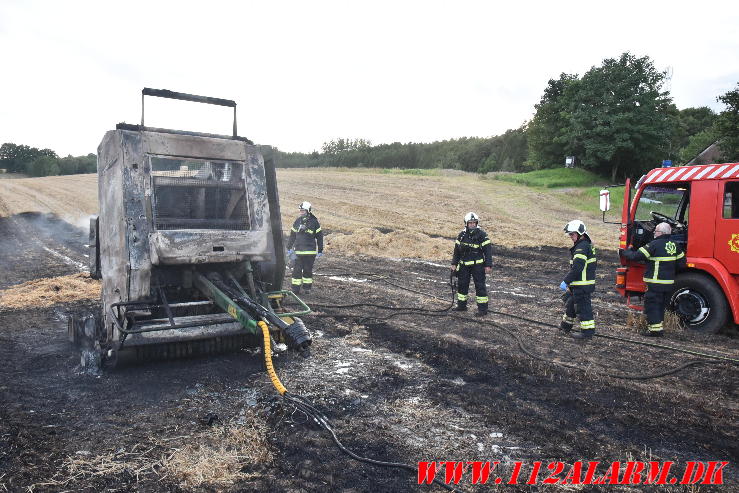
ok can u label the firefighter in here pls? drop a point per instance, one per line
(664, 257)
(304, 245)
(579, 283)
(472, 258)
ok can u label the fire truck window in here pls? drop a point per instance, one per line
(731, 200)
(659, 199)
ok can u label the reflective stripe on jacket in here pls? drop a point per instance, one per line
(473, 247)
(583, 263)
(306, 236)
(663, 256)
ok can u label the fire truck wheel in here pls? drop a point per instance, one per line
(699, 301)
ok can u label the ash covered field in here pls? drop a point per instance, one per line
(398, 384)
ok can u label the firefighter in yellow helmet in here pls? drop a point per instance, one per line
(472, 259)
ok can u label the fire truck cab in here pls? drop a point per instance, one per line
(701, 203)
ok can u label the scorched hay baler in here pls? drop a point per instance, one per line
(188, 244)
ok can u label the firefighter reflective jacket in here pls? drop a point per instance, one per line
(583, 264)
(664, 257)
(306, 236)
(472, 248)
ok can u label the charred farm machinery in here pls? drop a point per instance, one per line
(188, 245)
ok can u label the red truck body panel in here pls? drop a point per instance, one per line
(713, 239)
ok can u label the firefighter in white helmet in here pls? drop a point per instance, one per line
(579, 283)
(305, 245)
(472, 259)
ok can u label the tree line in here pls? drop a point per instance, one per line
(16, 158)
(505, 152)
(616, 120)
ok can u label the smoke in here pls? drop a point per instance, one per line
(66, 240)
(82, 221)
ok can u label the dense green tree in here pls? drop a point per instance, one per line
(341, 145)
(696, 144)
(43, 166)
(685, 124)
(16, 158)
(71, 165)
(618, 117)
(727, 125)
(546, 143)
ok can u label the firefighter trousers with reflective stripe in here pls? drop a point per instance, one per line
(303, 271)
(476, 272)
(578, 305)
(655, 301)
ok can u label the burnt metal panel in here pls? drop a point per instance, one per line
(167, 144)
(208, 246)
(94, 245)
(135, 255)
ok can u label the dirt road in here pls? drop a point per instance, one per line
(398, 385)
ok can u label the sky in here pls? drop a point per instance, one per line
(306, 72)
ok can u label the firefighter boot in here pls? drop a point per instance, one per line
(584, 334)
(461, 306)
(296, 288)
(482, 309)
(654, 330)
(566, 324)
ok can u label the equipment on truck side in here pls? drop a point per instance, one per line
(188, 244)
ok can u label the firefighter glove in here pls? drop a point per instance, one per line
(563, 286)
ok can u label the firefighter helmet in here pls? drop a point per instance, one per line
(304, 206)
(575, 226)
(471, 217)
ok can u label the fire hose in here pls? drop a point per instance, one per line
(303, 405)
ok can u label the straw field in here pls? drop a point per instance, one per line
(417, 215)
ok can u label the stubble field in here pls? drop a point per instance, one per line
(399, 385)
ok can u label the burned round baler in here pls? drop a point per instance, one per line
(188, 244)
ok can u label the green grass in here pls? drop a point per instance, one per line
(553, 178)
(587, 199)
(384, 171)
(411, 171)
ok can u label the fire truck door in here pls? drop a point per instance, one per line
(727, 227)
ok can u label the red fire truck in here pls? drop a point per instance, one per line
(701, 203)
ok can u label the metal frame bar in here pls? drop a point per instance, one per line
(165, 93)
(116, 316)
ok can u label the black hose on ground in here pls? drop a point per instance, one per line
(304, 406)
(319, 418)
(621, 376)
(711, 359)
(631, 341)
(452, 285)
(537, 322)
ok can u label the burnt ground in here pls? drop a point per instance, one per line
(398, 385)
